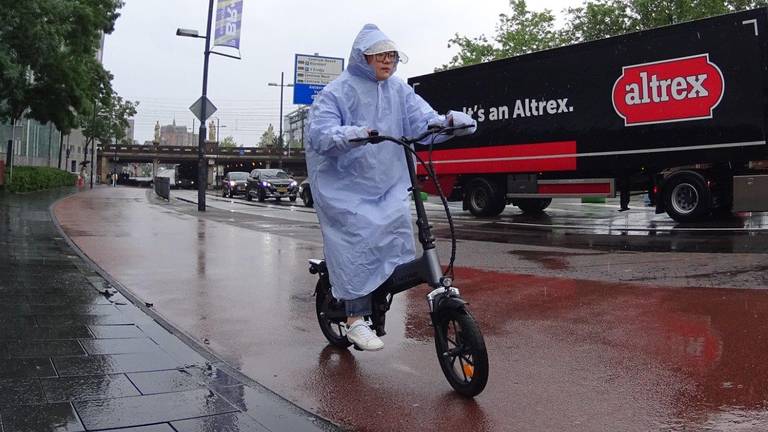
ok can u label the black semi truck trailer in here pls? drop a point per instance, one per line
(678, 112)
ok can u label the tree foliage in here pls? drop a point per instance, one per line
(604, 18)
(110, 121)
(523, 31)
(48, 62)
(228, 142)
(268, 138)
(520, 32)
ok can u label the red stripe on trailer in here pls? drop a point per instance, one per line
(574, 188)
(504, 158)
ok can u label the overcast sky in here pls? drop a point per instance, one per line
(164, 72)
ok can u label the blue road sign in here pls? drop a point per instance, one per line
(311, 74)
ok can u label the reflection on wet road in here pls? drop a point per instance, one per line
(566, 223)
(565, 354)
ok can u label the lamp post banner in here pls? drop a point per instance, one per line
(228, 16)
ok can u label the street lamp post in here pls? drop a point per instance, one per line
(280, 137)
(202, 166)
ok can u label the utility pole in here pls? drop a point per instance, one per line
(280, 136)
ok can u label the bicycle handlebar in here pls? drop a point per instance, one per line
(374, 137)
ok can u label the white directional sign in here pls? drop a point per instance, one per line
(312, 74)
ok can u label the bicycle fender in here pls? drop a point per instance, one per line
(449, 303)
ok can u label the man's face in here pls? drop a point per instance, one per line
(383, 64)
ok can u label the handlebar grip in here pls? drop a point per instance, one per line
(373, 137)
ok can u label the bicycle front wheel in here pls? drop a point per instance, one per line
(461, 352)
(334, 330)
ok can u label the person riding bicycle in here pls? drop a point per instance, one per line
(361, 191)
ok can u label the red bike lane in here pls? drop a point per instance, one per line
(564, 354)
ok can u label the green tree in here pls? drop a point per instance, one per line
(268, 138)
(520, 32)
(110, 121)
(228, 142)
(48, 65)
(523, 31)
(605, 18)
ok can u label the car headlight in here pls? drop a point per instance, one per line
(265, 184)
(293, 183)
(231, 183)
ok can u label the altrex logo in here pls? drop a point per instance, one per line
(681, 89)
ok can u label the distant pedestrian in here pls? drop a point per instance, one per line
(114, 179)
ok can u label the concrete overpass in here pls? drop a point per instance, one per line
(220, 159)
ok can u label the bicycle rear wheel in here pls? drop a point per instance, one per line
(461, 352)
(334, 330)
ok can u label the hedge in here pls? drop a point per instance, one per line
(27, 179)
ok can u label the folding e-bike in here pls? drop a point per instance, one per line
(459, 343)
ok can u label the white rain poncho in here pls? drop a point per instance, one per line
(361, 191)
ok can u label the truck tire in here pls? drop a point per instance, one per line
(532, 205)
(484, 198)
(687, 197)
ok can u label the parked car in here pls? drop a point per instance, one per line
(271, 183)
(305, 192)
(234, 183)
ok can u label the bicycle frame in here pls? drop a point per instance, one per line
(447, 311)
(424, 269)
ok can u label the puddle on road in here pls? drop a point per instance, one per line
(550, 260)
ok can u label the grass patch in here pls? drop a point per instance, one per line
(28, 179)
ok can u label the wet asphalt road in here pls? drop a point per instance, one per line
(588, 339)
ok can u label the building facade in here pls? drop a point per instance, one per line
(293, 126)
(173, 135)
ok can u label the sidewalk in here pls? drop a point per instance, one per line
(76, 355)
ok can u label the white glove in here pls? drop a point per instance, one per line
(458, 119)
(351, 132)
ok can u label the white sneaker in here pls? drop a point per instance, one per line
(361, 335)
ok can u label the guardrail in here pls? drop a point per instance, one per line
(163, 187)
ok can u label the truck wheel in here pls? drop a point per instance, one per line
(484, 198)
(533, 205)
(687, 197)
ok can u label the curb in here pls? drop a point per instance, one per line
(188, 340)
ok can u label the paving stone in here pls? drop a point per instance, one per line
(119, 346)
(87, 387)
(17, 320)
(15, 309)
(18, 391)
(54, 348)
(13, 299)
(213, 376)
(26, 367)
(162, 427)
(165, 381)
(44, 333)
(86, 319)
(232, 422)
(142, 410)
(116, 331)
(59, 417)
(70, 298)
(98, 309)
(271, 411)
(116, 363)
